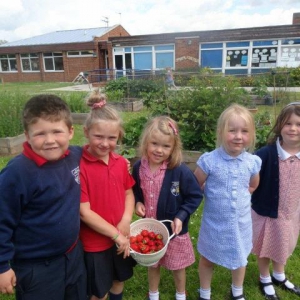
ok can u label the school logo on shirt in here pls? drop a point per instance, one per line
(175, 188)
(75, 173)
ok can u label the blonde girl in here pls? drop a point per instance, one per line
(107, 202)
(276, 204)
(166, 189)
(228, 174)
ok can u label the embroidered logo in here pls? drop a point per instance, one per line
(175, 188)
(75, 173)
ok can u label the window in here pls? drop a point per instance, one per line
(8, 63)
(142, 58)
(211, 55)
(30, 62)
(80, 53)
(53, 61)
(237, 56)
(264, 57)
(164, 56)
(290, 53)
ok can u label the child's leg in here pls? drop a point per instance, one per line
(153, 279)
(238, 276)
(180, 280)
(116, 291)
(265, 279)
(278, 278)
(205, 274)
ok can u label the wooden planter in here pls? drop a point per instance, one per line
(12, 145)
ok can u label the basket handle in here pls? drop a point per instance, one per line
(172, 235)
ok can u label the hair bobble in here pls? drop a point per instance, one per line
(175, 131)
(99, 104)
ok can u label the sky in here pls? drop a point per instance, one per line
(20, 19)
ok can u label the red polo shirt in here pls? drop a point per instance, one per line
(104, 187)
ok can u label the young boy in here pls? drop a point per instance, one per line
(40, 254)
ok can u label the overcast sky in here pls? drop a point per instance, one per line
(21, 19)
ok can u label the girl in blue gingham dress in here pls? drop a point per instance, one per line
(229, 175)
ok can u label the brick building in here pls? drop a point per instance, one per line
(111, 51)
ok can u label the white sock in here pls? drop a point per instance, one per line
(281, 277)
(237, 291)
(180, 296)
(269, 289)
(205, 293)
(153, 295)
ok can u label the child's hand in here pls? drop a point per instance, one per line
(7, 282)
(123, 245)
(140, 209)
(124, 227)
(176, 226)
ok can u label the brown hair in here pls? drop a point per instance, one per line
(232, 111)
(101, 111)
(168, 127)
(48, 107)
(283, 117)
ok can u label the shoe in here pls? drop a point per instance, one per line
(262, 289)
(237, 297)
(200, 298)
(295, 290)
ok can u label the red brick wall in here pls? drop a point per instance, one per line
(187, 53)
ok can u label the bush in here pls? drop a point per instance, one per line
(197, 110)
(133, 88)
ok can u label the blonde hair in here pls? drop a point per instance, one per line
(169, 127)
(235, 110)
(101, 111)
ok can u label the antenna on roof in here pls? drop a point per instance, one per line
(105, 20)
(120, 17)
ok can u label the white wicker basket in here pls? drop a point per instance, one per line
(156, 226)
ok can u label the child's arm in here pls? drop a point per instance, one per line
(201, 177)
(8, 282)
(97, 223)
(254, 182)
(124, 225)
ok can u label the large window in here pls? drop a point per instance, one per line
(8, 63)
(144, 57)
(53, 61)
(30, 62)
(264, 54)
(237, 54)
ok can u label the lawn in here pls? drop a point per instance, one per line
(136, 288)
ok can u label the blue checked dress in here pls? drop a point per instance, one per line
(225, 236)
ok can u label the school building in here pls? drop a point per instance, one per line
(109, 52)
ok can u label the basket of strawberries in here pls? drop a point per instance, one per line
(149, 240)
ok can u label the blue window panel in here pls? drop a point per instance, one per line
(139, 49)
(236, 71)
(211, 58)
(257, 71)
(265, 43)
(291, 42)
(143, 61)
(237, 44)
(164, 47)
(164, 60)
(211, 45)
(127, 49)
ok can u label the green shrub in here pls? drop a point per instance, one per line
(11, 104)
(197, 110)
